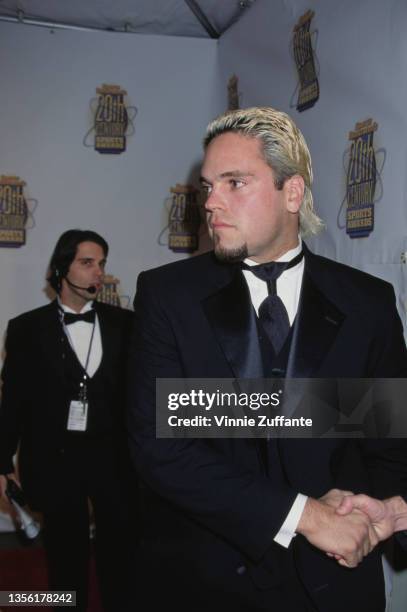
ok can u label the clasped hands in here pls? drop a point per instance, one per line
(347, 527)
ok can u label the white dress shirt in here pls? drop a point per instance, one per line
(288, 289)
(79, 335)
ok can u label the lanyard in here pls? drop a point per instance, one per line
(83, 385)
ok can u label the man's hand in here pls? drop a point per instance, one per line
(335, 497)
(348, 537)
(3, 484)
(387, 516)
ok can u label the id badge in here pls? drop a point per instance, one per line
(78, 416)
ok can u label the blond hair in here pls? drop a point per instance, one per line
(284, 149)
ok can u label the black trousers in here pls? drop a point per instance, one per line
(91, 471)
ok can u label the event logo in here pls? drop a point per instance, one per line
(362, 175)
(112, 120)
(304, 59)
(184, 219)
(14, 212)
(183, 212)
(233, 92)
(109, 293)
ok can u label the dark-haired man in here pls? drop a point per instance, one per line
(62, 402)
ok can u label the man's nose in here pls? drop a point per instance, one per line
(214, 201)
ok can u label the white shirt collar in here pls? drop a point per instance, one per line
(288, 284)
(87, 306)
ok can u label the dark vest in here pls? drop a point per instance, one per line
(100, 394)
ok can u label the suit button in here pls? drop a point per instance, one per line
(241, 570)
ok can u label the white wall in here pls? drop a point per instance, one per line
(47, 81)
(362, 53)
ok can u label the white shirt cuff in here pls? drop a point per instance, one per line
(287, 530)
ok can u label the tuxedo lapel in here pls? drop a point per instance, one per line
(109, 337)
(233, 321)
(51, 335)
(51, 339)
(317, 324)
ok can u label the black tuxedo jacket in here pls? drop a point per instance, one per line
(36, 395)
(211, 506)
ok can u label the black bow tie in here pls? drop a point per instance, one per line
(70, 317)
(270, 271)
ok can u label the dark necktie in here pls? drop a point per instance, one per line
(70, 317)
(272, 312)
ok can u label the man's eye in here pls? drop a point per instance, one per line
(206, 189)
(236, 183)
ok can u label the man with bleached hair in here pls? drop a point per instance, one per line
(243, 524)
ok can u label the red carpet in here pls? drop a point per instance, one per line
(25, 569)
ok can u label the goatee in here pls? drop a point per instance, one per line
(231, 255)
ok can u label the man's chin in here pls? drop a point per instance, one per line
(231, 255)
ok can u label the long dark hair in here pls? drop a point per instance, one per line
(65, 251)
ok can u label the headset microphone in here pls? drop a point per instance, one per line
(91, 289)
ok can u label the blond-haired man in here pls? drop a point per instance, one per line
(242, 524)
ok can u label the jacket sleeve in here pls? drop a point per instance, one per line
(236, 503)
(12, 397)
(386, 458)
(388, 353)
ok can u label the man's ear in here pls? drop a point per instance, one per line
(294, 188)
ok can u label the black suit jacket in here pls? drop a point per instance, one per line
(36, 395)
(211, 502)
